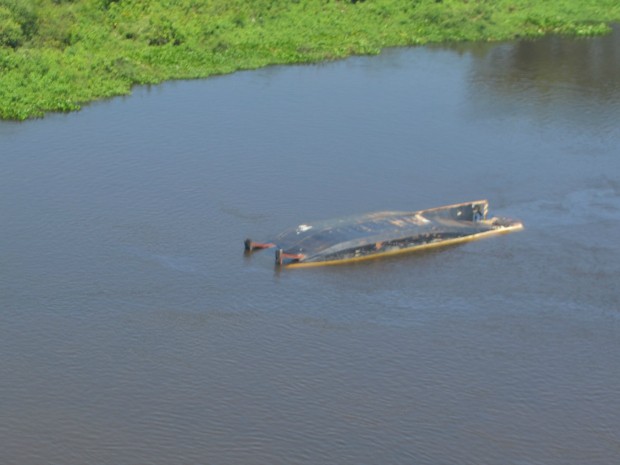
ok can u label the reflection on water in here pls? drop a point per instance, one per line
(576, 80)
(133, 329)
(589, 67)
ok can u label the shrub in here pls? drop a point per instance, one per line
(11, 34)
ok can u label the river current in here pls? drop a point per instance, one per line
(133, 329)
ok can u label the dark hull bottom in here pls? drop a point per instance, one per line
(375, 235)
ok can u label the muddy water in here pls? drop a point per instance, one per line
(133, 330)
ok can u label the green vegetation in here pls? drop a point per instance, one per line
(57, 54)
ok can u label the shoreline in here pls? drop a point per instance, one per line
(57, 57)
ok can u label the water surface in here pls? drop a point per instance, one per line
(133, 330)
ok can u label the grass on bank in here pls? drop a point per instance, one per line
(56, 55)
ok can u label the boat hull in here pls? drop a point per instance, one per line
(404, 250)
(377, 235)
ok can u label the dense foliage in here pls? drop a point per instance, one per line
(58, 54)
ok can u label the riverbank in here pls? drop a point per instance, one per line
(56, 55)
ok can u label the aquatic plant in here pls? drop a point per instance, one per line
(56, 55)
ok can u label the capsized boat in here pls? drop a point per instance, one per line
(380, 234)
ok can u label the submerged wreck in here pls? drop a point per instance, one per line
(372, 235)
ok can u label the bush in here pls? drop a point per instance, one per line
(11, 34)
(161, 31)
(21, 12)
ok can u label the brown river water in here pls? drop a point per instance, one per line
(133, 330)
